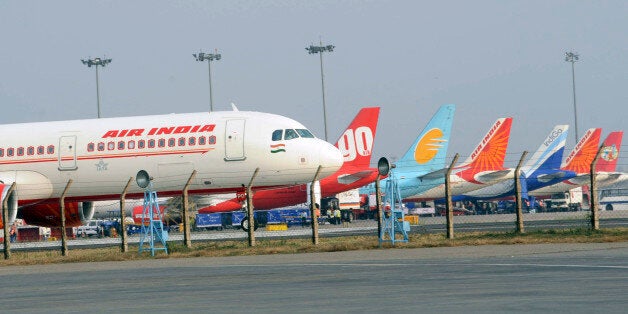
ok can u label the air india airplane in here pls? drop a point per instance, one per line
(101, 155)
(356, 145)
(580, 159)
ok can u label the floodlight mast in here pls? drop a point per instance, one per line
(573, 58)
(96, 62)
(209, 57)
(320, 49)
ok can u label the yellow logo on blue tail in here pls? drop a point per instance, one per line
(429, 145)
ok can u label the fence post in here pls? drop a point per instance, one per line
(313, 207)
(518, 194)
(595, 219)
(64, 236)
(449, 205)
(249, 209)
(124, 245)
(5, 222)
(187, 240)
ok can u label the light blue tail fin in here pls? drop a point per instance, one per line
(428, 153)
(550, 154)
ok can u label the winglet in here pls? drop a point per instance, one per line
(580, 158)
(610, 152)
(429, 151)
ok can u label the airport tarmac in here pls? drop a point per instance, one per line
(573, 278)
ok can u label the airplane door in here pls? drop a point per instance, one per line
(67, 153)
(234, 140)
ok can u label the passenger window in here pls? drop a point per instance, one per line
(10, 151)
(141, 144)
(290, 134)
(90, 147)
(121, 145)
(161, 142)
(277, 135)
(151, 143)
(30, 151)
(305, 133)
(181, 141)
(192, 141)
(131, 144)
(51, 149)
(211, 140)
(111, 145)
(101, 146)
(1, 152)
(201, 140)
(40, 150)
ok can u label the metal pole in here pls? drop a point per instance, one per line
(313, 207)
(124, 245)
(378, 205)
(449, 205)
(323, 89)
(97, 93)
(187, 240)
(211, 96)
(595, 219)
(64, 236)
(249, 209)
(518, 194)
(5, 222)
(575, 111)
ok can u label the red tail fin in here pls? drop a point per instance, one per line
(580, 158)
(490, 153)
(610, 153)
(356, 143)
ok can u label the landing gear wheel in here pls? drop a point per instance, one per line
(245, 224)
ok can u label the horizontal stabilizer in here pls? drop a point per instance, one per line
(493, 175)
(438, 174)
(351, 178)
(551, 176)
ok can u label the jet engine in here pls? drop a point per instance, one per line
(49, 215)
(11, 199)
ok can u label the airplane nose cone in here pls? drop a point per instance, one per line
(330, 158)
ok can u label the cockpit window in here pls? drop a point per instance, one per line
(290, 134)
(305, 133)
(277, 135)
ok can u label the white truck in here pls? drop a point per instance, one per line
(571, 200)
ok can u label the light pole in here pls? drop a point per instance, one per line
(209, 57)
(96, 62)
(573, 57)
(320, 49)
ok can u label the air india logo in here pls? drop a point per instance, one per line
(609, 153)
(428, 146)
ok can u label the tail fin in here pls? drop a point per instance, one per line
(428, 153)
(490, 153)
(610, 152)
(581, 157)
(356, 143)
(550, 154)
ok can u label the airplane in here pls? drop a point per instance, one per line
(580, 161)
(356, 145)
(541, 170)
(426, 155)
(101, 155)
(485, 166)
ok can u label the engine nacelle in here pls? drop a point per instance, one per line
(49, 215)
(11, 202)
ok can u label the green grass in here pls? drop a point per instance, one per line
(295, 246)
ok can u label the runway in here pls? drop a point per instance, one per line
(510, 278)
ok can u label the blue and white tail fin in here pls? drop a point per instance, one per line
(550, 154)
(428, 153)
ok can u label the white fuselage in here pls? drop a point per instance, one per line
(101, 155)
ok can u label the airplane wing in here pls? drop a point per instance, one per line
(353, 177)
(493, 175)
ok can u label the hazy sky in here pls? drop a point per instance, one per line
(490, 58)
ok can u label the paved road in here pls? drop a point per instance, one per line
(569, 278)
